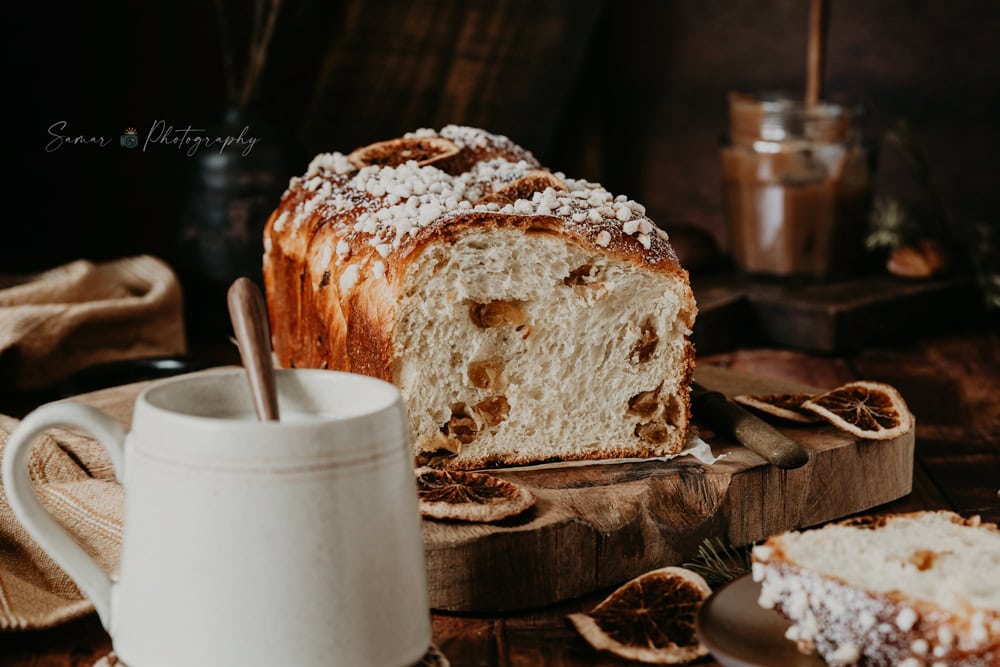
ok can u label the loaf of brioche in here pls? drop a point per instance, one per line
(904, 590)
(525, 316)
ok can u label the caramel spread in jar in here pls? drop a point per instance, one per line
(797, 182)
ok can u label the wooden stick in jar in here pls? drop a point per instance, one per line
(817, 48)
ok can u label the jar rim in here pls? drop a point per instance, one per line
(779, 116)
(782, 102)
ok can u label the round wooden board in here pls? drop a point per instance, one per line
(597, 526)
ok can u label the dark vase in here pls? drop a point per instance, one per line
(229, 195)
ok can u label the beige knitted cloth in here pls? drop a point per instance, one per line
(74, 481)
(55, 323)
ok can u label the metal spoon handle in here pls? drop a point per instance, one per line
(253, 333)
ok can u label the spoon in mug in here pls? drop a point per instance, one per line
(253, 335)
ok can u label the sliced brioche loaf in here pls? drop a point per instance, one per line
(912, 590)
(524, 315)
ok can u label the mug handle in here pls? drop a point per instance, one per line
(54, 540)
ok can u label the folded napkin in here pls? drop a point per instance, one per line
(74, 481)
(55, 323)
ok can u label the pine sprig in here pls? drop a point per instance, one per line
(984, 242)
(895, 224)
(720, 563)
(891, 226)
(938, 219)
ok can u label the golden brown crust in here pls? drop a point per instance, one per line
(600, 452)
(369, 333)
(689, 365)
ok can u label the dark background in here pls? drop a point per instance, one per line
(628, 93)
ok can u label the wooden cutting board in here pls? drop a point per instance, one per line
(597, 526)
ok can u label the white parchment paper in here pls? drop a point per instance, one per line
(695, 447)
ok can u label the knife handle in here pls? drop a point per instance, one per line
(754, 433)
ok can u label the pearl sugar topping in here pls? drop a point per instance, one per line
(395, 201)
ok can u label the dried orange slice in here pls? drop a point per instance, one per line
(786, 406)
(649, 619)
(422, 150)
(469, 496)
(524, 188)
(870, 410)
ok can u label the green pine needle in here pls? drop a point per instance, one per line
(720, 563)
(984, 254)
(890, 225)
(976, 243)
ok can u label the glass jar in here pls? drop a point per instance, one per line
(227, 198)
(798, 186)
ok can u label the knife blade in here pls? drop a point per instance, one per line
(715, 410)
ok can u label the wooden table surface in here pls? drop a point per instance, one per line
(952, 385)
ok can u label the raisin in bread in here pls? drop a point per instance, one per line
(525, 316)
(907, 590)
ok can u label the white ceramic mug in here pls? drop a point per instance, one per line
(251, 543)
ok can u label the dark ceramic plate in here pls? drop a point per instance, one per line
(116, 373)
(741, 633)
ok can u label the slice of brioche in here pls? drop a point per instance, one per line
(920, 589)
